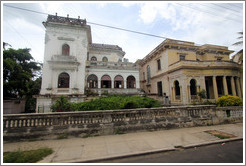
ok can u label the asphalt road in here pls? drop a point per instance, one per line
(230, 152)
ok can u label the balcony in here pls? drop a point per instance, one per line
(112, 65)
(203, 65)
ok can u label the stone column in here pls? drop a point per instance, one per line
(112, 84)
(188, 93)
(173, 94)
(238, 87)
(233, 88)
(225, 86)
(215, 88)
(124, 84)
(99, 84)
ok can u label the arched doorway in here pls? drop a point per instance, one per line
(92, 81)
(193, 91)
(131, 82)
(63, 80)
(177, 90)
(106, 81)
(118, 82)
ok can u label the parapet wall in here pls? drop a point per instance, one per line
(89, 123)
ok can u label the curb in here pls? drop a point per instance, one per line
(158, 151)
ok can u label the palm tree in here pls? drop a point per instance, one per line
(239, 43)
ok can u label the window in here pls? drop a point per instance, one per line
(159, 64)
(181, 57)
(106, 81)
(93, 58)
(159, 88)
(105, 59)
(65, 50)
(193, 87)
(92, 81)
(148, 74)
(131, 82)
(63, 80)
(118, 82)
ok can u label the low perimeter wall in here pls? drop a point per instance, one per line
(92, 123)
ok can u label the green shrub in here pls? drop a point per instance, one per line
(31, 156)
(228, 100)
(202, 94)
(61, 105)
(116, 102)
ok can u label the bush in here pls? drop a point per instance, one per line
(116, 102)
(228, 100)
(61, 105)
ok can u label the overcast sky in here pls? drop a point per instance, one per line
(203, 23)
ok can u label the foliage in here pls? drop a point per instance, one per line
(18, 71)
(202, 93)
(33, 89)
(228, 100)
(31, 156)
(116, 102)
(61, 105)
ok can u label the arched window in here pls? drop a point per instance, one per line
(106, 81)
(148, 74)
(93, 58)
(92, 81)
(105, 59)
(131, 83)
(65, 50)
(177, 89)
(118, 81)
(192, 87)
(63, 80)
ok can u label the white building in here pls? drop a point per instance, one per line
(75, 67)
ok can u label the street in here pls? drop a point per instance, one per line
(230, 152)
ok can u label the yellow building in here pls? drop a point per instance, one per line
(180, 69)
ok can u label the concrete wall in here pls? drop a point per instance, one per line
(13, 106)
(79, 124)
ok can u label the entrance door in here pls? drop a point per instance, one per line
(159, 88)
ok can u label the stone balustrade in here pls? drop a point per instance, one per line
(51, 125)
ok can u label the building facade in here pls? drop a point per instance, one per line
(75, 67)
(179, 70)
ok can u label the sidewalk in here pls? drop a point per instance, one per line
(95, 148)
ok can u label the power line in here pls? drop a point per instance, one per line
(25, 9)
(225, 7)
(127, 30)
(217, 9)
(207, 12)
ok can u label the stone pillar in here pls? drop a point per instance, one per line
(124, 84)
(99, 83)
(112, 84)
(173, 94)
(215, 88)
(233, 88)
(188, 93)
(238, 87)
(225, 86)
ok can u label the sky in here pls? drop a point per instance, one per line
(211, 22)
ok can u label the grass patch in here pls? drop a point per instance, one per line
(118, 131)
(31, 156)
(220, 134)
(62, 136)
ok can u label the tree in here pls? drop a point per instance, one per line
(18, 70)
(239, 43)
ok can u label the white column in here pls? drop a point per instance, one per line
(99, 84)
